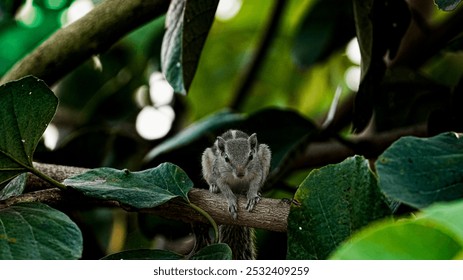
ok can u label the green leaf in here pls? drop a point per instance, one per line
(380, 27)
(405, 240)
(363, 24)
(143, 189)
(406, 98)
(188, 23)
(447, 5)
(323, 31)
(37, 231)
(219, 251)
(15, 187)
(336, 201)
(211, 126)
(144, 254)
(449, 214)
(26, 108)
(421, 171)
(439, 229)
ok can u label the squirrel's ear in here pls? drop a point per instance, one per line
(253, 141)
(221, 144)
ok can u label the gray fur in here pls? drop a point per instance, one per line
(236, 164)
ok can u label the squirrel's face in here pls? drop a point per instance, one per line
(237, 156)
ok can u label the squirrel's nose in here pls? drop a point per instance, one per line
(240, 173)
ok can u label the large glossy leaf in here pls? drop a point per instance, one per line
(143, 189)
(406, 98)
(448, 214)
(421, 171)
(380, 26)
(447, 5)
(26, 108)
(323, 31)
(364, 30)
(335, 201)
(188, 23)
(435, 234)
(401, 241)
(37, 231)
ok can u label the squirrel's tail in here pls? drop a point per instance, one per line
(241, 241)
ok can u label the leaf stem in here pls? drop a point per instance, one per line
(209, 218)
(47, 178)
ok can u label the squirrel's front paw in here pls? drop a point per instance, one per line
(252, 201)
(213, 188)
(232, 208)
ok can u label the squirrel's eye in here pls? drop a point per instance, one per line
(250, 157)
(225, 156)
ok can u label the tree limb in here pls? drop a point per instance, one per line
(269, 214)
(322, 153)
(419, 47)
(92, 34)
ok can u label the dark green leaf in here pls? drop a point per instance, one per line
(407, 98)
(26, 108)
(143, 189)
(421, 171)
(15, 187)
(188, 23)
(144, 254)
(336, 200)
(439, 228)
(447, 5)
(219, 251)
(362, 10)
(211, 126)
(323, 31)
(380, 27)
(37, 231)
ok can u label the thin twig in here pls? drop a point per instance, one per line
(322, 153)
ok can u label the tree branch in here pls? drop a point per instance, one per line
(269, 214)
(93, 34)
(419, 47)
(322, 153)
